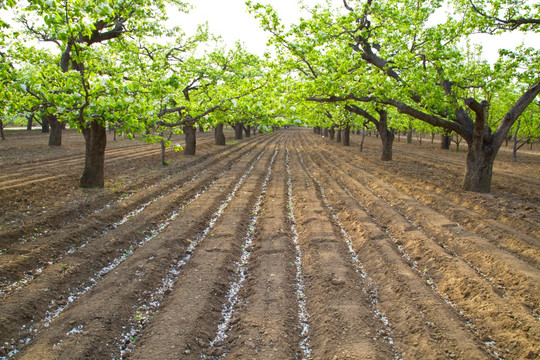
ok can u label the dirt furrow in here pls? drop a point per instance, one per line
(505, 325)
(504, 270)
(423, 325)
(50, 249)
(78, 271)
(513, 235)
(190, 314)
(265, 324)
(342, 324)
(66, 209)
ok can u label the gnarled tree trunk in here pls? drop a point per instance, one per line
(479, 170)
(190, 134)
(219, 136)
(95, 137)
(247, 130)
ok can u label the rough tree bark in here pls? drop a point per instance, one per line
(238, 127)
(332, 132)
(338, 137)
(2, 129)
(409, 134)
(55, 135)
(219, 136)
(247, 130)
(346, 136)
(30, 121)
(95, 137)
(190, 134)
(446, 139)
(44, 125)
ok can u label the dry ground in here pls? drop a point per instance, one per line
(282, 246)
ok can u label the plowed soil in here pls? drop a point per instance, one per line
(279, 246)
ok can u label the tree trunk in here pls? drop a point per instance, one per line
(2, 130)
(44, 124)
(332, 132)
(446, 139)
(409, 134)
(247, 130)
(346, 136)
(201, 129)
(338, 137)
(55, 135)
(162, 145)
(190, 134)
(238, 131)
(325, 133)
(219, 136)
(479, 169)
(515, 149)
(30, 119)
(387, 137)
(95, 137)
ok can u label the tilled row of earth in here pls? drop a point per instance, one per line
(282, 246)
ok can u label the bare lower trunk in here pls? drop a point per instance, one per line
(2, 130)
(30, 122)
(55, 135)
(515, 149)
(338, 137)
(346, 136)
(387, 137)
(44, 125)
(190, 134)
(95, 137)
(325, 133)
(247, 130)
(201, 129)
(446, 140)
(219, 136)
(162, 145)
(238, 127)
(387, 141)
(409, 134)
(332, 132)
(479, 169)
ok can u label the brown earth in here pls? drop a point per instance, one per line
(280, 246)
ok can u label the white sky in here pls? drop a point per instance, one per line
(230, 20)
